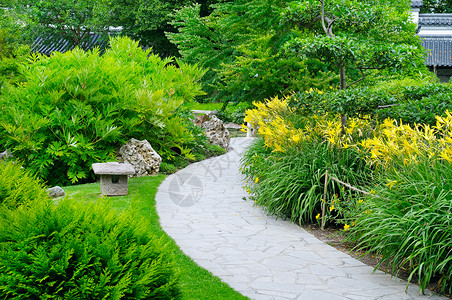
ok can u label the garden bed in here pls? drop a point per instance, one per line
(336, 238)
(391, 196)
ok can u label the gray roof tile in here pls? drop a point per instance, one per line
(435, 19)
(416, 3)
(440, 53)
(43, 46)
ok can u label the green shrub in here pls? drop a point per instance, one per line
(351, 102)
(17, 186)
(410, 224)
(242, 45)
(291, 184)
(77, 108)
(81, 251)
(234, 112)
(167, 168)
(420, 104)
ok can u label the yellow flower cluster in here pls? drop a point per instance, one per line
(269, 117)
(390, 140)
(408, 143)
(331, 130)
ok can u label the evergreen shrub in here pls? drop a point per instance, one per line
(17, 186)
(81, 251)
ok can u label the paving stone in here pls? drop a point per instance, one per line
(321, 294)
(258, 255)
(279, 294)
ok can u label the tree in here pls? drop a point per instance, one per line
(241, 43)
(437, 6)
(55, 19)
(356, 36)
(143, 20)
(13, 49)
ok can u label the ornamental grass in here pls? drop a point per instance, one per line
(404, 172)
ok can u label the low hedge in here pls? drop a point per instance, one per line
(81, 251)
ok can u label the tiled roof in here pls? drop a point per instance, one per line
(435, 19)
(41, 45)
(416, 3)
(440, 51)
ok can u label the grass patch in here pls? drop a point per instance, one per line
(195, 282)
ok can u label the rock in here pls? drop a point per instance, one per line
(55, 192)
(140, 154)
(5, 154)
(216, 132)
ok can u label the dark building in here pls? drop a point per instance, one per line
(435, 31)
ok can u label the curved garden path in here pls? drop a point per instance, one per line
(202, 208)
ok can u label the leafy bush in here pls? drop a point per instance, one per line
(13, 50)
(288, 165)
(351, 102)
(81, 251)
(234, 112)
(17, 186)
(410, 224)
(420, 104)
(77, 108)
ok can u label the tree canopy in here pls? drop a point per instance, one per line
(258, 49)
(437, 6)
(143, 20)
(358, 36)
(55, 19)
(13, 49)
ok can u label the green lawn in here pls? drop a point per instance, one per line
(195, 282)
(203, 106)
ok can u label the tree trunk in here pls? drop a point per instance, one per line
(342, 78)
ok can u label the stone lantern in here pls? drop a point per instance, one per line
(113, 177)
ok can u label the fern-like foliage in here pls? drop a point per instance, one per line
(81, 251)
(18, 187)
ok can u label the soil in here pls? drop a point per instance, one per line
(335, 238)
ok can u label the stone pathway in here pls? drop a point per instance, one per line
(202, 208)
